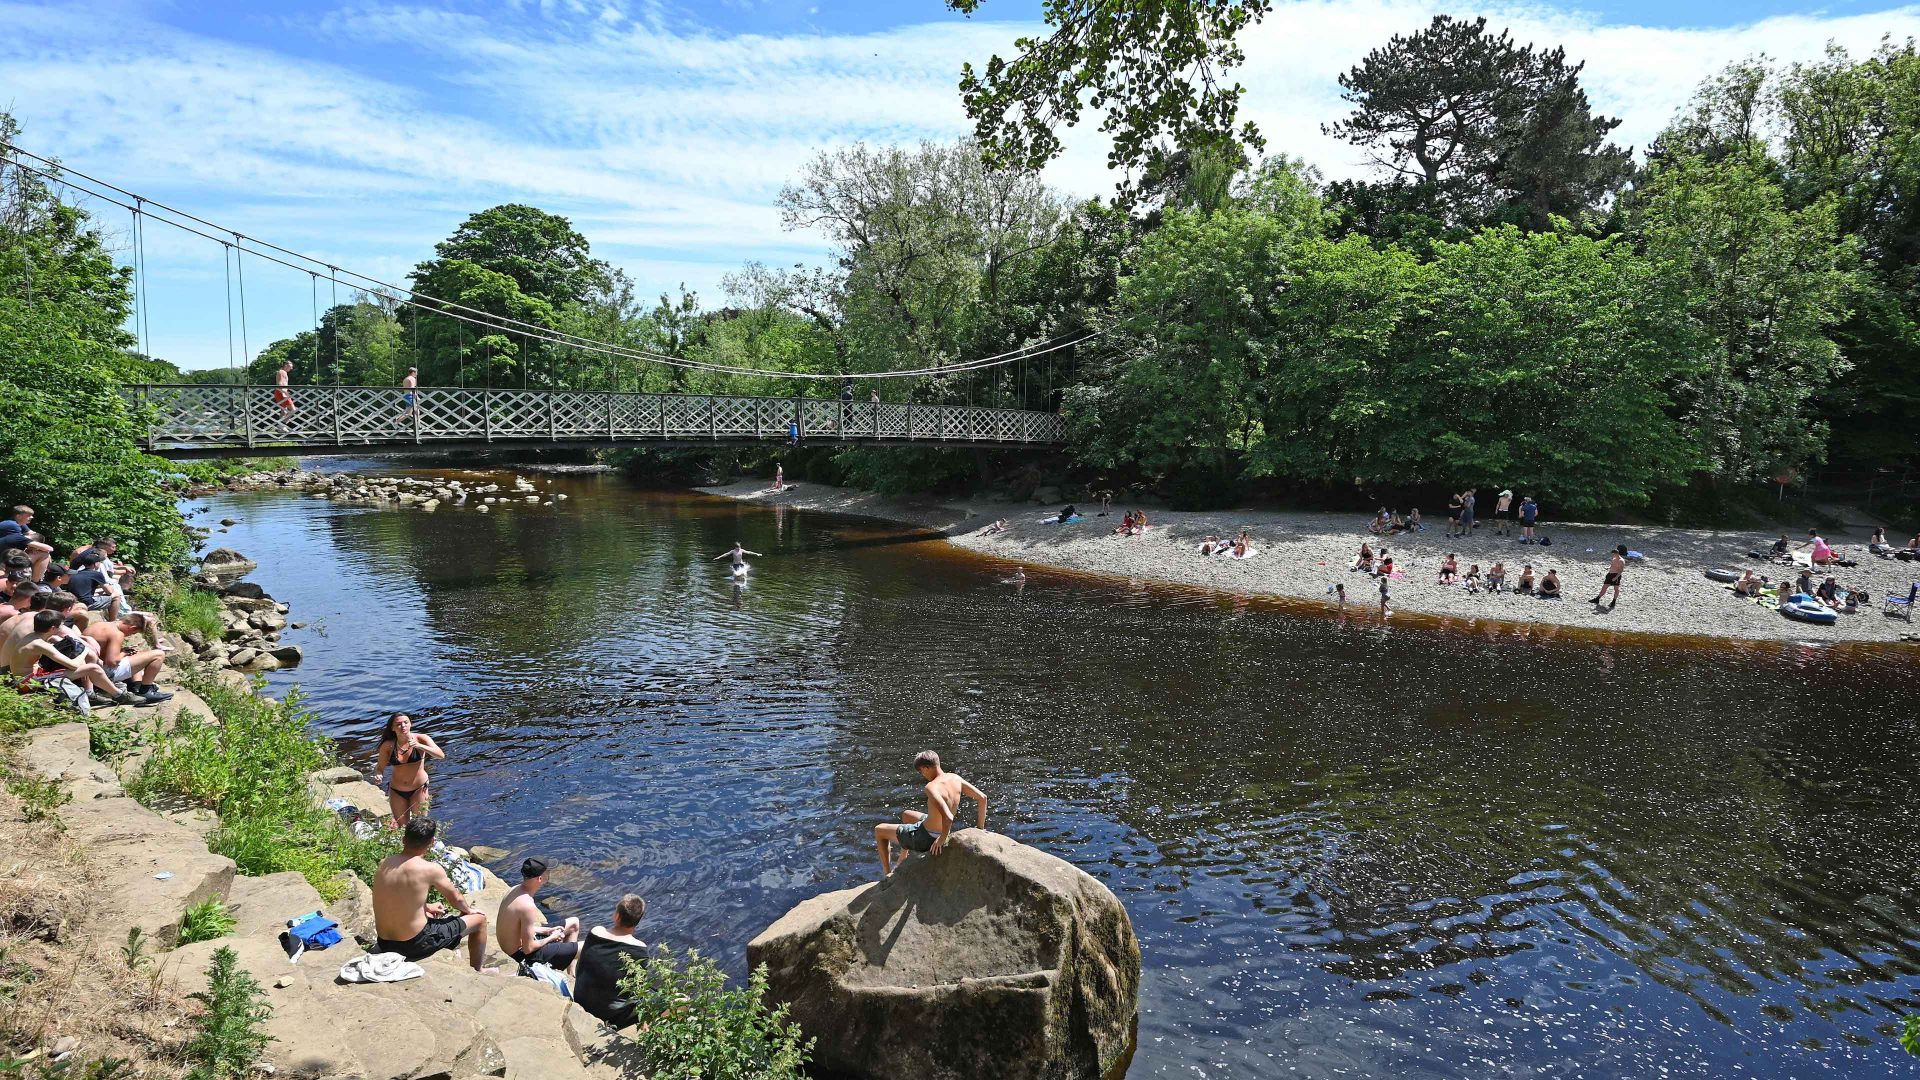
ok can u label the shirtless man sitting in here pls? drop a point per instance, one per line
(140, 671)
(522, 930)
(403, 920)
(927, 832)
(50, 656)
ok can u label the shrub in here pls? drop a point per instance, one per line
(690, 1024)
(108, 739)
(21, 713)
(181, 607)
(205, 921)
(251, 769)
(227, 1037)
(40, 800)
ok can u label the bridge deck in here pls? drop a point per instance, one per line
(218, 421)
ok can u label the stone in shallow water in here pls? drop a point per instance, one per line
(990, 959)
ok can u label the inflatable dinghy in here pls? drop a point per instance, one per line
(1807, 609)
(1722, 574)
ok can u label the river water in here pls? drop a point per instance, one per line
(1347, 851)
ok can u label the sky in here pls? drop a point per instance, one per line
(364, 132)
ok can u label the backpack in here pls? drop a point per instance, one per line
(1546, 541)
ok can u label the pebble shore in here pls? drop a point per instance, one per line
(1303, 553)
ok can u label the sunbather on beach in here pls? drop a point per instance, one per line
(1749, 584)
(1067, 514)
(1207, 545)
(1413, 521)
(1399, 523)
(1877, 543)
(1449, 568)
(1524, 586)
(1497, 577)
(1125, 528)
(1550, 586)
(1379, 523)
(1365, 559)
(1472, 580)
(1781, 547)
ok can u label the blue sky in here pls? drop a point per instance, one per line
(363, 131)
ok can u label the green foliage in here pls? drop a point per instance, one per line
(688, 1023)
(251, 769)
(1910, 1034)
(20, 713)
(1487, 130)
(68, 440)
(215, 470)
(110, 1068)
(205, 921)
(227, 1038)
(180, 606)
(108, 739)
(40, 800)
(134, 951)
(1156, 67)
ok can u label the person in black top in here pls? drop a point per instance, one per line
(604, 955)
(15, 536)
(91, 586)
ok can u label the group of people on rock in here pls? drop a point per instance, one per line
(595, 962)
(65, 627)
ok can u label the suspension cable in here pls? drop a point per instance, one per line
(334, 283)
(226, 264)
(240, 271)
(490, 320)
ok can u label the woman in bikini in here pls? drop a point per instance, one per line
(407, 751)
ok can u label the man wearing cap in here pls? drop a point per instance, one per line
(1503, 513)
(522, 930)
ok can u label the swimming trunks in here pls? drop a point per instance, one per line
(1612, 579)
(445, 932)
(407, 400)
(554, 954)
(281, 397)
(917, 837)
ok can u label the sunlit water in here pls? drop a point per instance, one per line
(1347, 851)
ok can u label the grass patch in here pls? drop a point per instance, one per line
(213, 472)
(251, 770)
(689, 1023)
(205, 921)
(21, 713)
(40, 800)
(181, 607)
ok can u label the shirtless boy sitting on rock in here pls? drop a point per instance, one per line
(403, 920)
(927, 832)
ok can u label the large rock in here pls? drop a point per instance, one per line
(244, 590)
(63, 752)
(991, 959)
(152, 870)
(227, 563)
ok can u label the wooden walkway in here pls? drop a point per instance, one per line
(190, 421)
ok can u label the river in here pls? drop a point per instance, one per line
(1347, 850)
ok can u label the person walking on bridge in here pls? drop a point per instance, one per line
(282, 396)
(408, 403)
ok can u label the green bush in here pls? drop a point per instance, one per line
(690, 1024)
(108, 739)
(181, 607)
(21, 713)
(205, 921)
(227, 1038)
(251, 769)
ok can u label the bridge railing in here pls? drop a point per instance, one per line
(192, 415)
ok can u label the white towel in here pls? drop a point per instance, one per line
(384, 967)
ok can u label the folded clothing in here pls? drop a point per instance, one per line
(379, 968)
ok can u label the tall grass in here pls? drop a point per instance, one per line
(181, 607)
(251, 769)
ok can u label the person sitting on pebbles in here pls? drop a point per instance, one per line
(1749, 584)
(1524, 586)
(1550, 586)
(1365, 559)
(1449, 569)
(1497, 577)
(1208, 545)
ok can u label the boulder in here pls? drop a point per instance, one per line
(247, 604)
(245, 590)
(151, 869)
(63, 752)
(992, 959)
(226, 562)
(242, 657)
(287, 655)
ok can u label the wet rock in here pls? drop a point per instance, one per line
(993, 959)
(245, 590)
(288, 655)
(229, 522)
(226, 562)
(241, 657)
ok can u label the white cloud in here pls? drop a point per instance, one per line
(370, 131)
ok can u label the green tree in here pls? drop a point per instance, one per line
(1762, 285)
(69, 441)
(1486, 129)
(1155, 67)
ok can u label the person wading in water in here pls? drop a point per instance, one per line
(406, 751)
(738, 555)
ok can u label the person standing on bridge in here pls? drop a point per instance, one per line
(281, 395)
(407, 402)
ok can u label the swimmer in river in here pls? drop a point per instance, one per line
(927, 832)
(738, 555)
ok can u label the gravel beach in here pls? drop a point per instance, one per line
(1303, 553)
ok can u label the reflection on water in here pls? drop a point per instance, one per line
(1347, 850)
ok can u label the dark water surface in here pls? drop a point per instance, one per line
(1347, 851)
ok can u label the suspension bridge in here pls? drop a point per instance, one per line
(237, 420)
(191, 421)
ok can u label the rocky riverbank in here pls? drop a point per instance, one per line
(427, 493)
(1302, 555)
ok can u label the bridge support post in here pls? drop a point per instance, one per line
(333, 406)
(419, 402)
(486, 414)
(662, 403)
(609, 398)
(551, 430)
(246, 413)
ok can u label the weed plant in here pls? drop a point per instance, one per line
(205, 921)
(70, 1069)
(690, 1024)
(181, 607)
(227, 1039)
(251, 770)
(21, 713)
(40, 800)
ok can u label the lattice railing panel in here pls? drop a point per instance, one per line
(183, 417)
